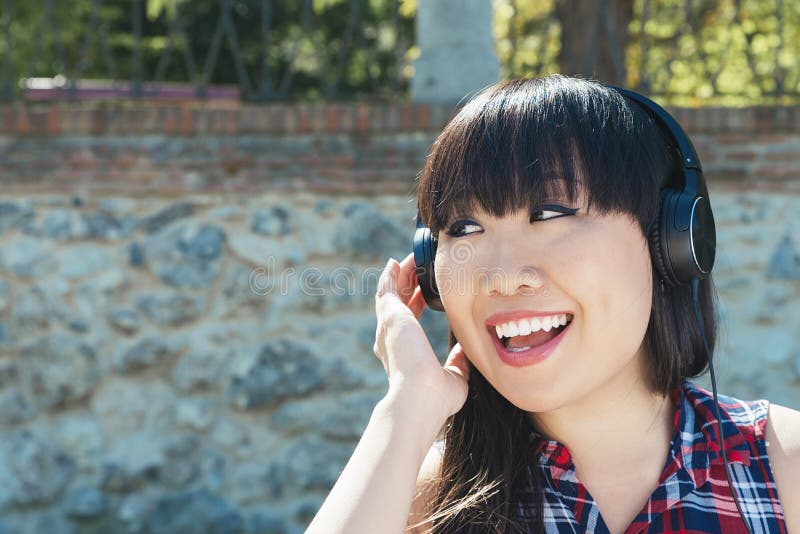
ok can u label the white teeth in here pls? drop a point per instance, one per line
(524, 327)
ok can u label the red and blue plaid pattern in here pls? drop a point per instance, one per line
(693, 495)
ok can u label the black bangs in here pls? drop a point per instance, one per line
(522, 143)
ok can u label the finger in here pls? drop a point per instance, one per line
(387, 282)
(457, 361)
(406, 281)
(417, 303)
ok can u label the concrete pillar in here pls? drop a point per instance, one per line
(457, 50)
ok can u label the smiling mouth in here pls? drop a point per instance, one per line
(530, 340)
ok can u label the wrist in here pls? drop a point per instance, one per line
(413, 416)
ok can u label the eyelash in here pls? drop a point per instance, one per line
(557, 209)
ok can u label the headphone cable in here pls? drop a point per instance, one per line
(695, 290)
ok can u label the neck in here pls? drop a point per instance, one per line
(620, 423)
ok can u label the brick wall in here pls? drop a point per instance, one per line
(348, 147)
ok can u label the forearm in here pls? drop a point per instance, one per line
(376, 487)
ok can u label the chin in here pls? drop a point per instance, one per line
(531, 392)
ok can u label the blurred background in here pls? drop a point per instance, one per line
(198, 198)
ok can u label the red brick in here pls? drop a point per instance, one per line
(362, 118)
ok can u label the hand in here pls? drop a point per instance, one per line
(403, 348)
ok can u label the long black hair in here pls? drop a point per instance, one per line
(509, 148)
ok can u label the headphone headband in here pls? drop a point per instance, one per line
(682, 240)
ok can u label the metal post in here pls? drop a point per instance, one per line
(5, 81)
(136, 75)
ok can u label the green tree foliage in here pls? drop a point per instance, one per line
(691, 52)
(311, 49)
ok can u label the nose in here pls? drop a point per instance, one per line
(509, 279)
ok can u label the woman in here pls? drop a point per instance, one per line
(541, 193)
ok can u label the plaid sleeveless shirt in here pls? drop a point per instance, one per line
(693, 494)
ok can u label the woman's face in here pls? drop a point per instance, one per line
(596, 267)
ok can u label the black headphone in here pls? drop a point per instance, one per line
(682, 240)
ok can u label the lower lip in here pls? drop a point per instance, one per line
(531, 356)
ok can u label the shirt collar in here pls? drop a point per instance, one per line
(694, 446)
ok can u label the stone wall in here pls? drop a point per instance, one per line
(186, 300)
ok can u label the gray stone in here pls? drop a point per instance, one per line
(437, 329)
(796, 365)
(125, 320)
(255, 482)
(171, 213)
(9, 372)
(171, 309)
(82, 437)
(136, 254)
(296, 416)
(115, 478)
(146, 353)
(784, 264)
(238, 293)
(266, 523)
(200, 369)
(63, 224)
(187, 255)
(195, 414)
(85, 502)
(270, 221)
(7, 337)
(32, 472)
(456, 50)
(196, 511)
(14, 215)
(228, 435)
(31, 309)
(181, 463)
(265, 251)
(82, 260)
(118, 402)
(117, 206)
(4, 294)
(203, 242)
(53, 523)
(349, 417)
(283, 368)
(315, 464)
(324, 206)
(339, 375)
(305, 511)
(132, 514)
(104, 226)
(26, 257)
(63, 369)
(367, 234)
(15, 408)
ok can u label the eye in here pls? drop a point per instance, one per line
(538, 214)
(457, 228)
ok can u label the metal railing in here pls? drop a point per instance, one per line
(268, 50)
(42, 69)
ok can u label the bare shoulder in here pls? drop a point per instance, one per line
(782, 435)
(423, 495)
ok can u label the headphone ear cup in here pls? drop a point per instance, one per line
(656, 243)
(424, 246)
